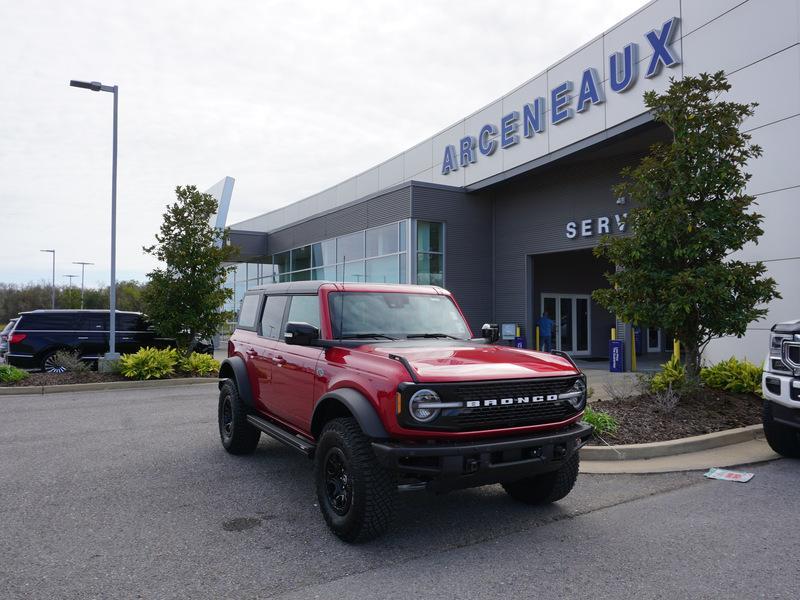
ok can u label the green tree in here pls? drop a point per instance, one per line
(692, 211)
(184, 298)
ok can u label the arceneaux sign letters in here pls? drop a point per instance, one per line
(623, 69)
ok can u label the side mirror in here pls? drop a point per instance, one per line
(491, 332)
(300, 334)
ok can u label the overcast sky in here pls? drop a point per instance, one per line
(288, 98)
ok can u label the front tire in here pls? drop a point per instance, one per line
(547, 487)
(781, 438)
(236, 434)
(356, 495)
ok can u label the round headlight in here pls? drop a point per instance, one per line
(579, 399)
(418, 409)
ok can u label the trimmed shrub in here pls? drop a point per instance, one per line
(602, 422)
(70, 361)
(9, 374)
(672, 376)
(199, 364)
(149, 363)
(733, 375)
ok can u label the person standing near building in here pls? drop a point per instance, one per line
(545, 324)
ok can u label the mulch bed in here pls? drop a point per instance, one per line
(38, 379)
(705, 411)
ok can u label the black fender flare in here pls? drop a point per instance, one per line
(355, 403)
(234, 368)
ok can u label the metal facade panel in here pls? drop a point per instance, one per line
(468, 246)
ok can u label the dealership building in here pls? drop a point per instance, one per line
(504, 207)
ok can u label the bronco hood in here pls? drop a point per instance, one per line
(475, 362)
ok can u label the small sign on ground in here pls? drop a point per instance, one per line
(726, 475)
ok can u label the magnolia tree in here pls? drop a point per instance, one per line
(692, 212)
(185, 296)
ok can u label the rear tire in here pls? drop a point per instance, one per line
(50, 365)
(237, 435)
(547, 487)
(781, 438)
(356, 495)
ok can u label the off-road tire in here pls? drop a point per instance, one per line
(373, 489)
(236, 434)
(781, 438)
(547, 487)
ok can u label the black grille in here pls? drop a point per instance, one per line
(793, 353)
(505, 415)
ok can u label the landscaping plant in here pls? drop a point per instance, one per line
(199, 364)
(672, 376)
(690, 213)
(149, 363)
(733, 375)
(184, 297)
(9, 374)
(603, 423)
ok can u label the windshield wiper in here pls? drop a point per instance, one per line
(431, 335)
(363, 336)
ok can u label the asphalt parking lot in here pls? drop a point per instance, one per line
(128, 494)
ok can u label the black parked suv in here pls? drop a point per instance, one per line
(39, 334)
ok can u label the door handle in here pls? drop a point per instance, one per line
(83, 337)
(279, 361)
(251, 352)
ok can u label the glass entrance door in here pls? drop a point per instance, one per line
(571, 315)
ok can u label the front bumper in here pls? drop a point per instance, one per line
(443, 466)
(781, 389)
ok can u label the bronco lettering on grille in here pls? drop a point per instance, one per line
(507, 401)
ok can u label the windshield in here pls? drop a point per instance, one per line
(394, 315)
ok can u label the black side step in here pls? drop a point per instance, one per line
(293, 441)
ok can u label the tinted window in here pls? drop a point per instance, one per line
(247, 314)
(304, 309)
(49, 322)
(273, 316)
(95, 321)
(128, 323)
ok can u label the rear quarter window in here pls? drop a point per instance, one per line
(49, 322)
(248, 311)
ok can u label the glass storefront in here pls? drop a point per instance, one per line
(376, 255)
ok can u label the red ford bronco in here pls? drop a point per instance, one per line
(387, 390)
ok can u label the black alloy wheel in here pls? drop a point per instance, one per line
(338, 482)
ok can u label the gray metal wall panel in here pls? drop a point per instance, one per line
(389, 208)
(251, 244)
(468, 246)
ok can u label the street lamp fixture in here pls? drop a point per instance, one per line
(111, 355)
(83, 270)
(53, 292)
(70, 277)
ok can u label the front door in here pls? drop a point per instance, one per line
(294, 367)
(653, 339)
(572, 320)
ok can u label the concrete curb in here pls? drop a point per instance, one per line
(103, 386)
(696, 443)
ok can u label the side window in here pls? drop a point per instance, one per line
(272, 319)
(304, 309)
(52, 322)
(127, 322)
(247, 314)
(96, 321)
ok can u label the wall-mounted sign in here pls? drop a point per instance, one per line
(623, 69)
(596, 226)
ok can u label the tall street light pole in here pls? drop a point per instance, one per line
(83, 269)
(70, 277)
(96, 86)
(53, 291)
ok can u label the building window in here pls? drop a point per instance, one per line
(301, 258)
(350, 247)
(430, 253)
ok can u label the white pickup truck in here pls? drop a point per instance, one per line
(780, 384)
